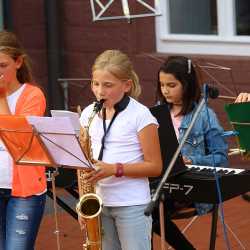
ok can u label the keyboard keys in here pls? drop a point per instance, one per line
(219, 170)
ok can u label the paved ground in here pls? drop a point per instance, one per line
(237, 219)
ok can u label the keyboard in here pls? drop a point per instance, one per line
(198, 184)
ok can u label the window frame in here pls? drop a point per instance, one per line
(226, 42)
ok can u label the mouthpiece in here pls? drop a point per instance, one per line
(98, 105)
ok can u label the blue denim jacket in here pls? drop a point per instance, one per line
(204, 145)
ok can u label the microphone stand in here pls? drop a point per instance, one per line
(156, 195)
(208, 91)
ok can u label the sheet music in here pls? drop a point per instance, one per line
(239, 117)
(59, 137)
(74, 118)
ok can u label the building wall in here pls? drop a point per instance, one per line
(30, 26)
(82, 40)
(85, 39)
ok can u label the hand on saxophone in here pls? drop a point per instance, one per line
(101, 170)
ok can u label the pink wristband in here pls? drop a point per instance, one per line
(119, 170)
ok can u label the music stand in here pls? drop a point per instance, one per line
(238, 115)
(20, 140)
(43, 141)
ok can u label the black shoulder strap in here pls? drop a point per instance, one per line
(119, 107)
(167, 137)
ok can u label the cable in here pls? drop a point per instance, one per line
(221, 214)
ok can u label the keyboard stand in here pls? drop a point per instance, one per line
(214, 230)
(214, 227)
(246, 197)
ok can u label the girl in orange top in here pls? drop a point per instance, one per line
(22, 188)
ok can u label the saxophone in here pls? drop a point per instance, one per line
(90, 204)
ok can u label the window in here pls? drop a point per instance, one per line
(204, 27)
(242, 10)
(1, 15)
(193, 17)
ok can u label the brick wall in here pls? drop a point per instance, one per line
(84, 40)
(29, 25)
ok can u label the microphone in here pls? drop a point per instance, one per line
(212, 92)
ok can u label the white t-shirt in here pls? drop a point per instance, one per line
(6, 162)
(121, 145)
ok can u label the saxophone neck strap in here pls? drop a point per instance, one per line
(119, 107)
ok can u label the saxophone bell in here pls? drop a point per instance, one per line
(89, 206)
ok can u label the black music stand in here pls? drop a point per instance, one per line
(43, 141)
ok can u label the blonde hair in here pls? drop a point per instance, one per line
(10, 46)
(119, 65)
